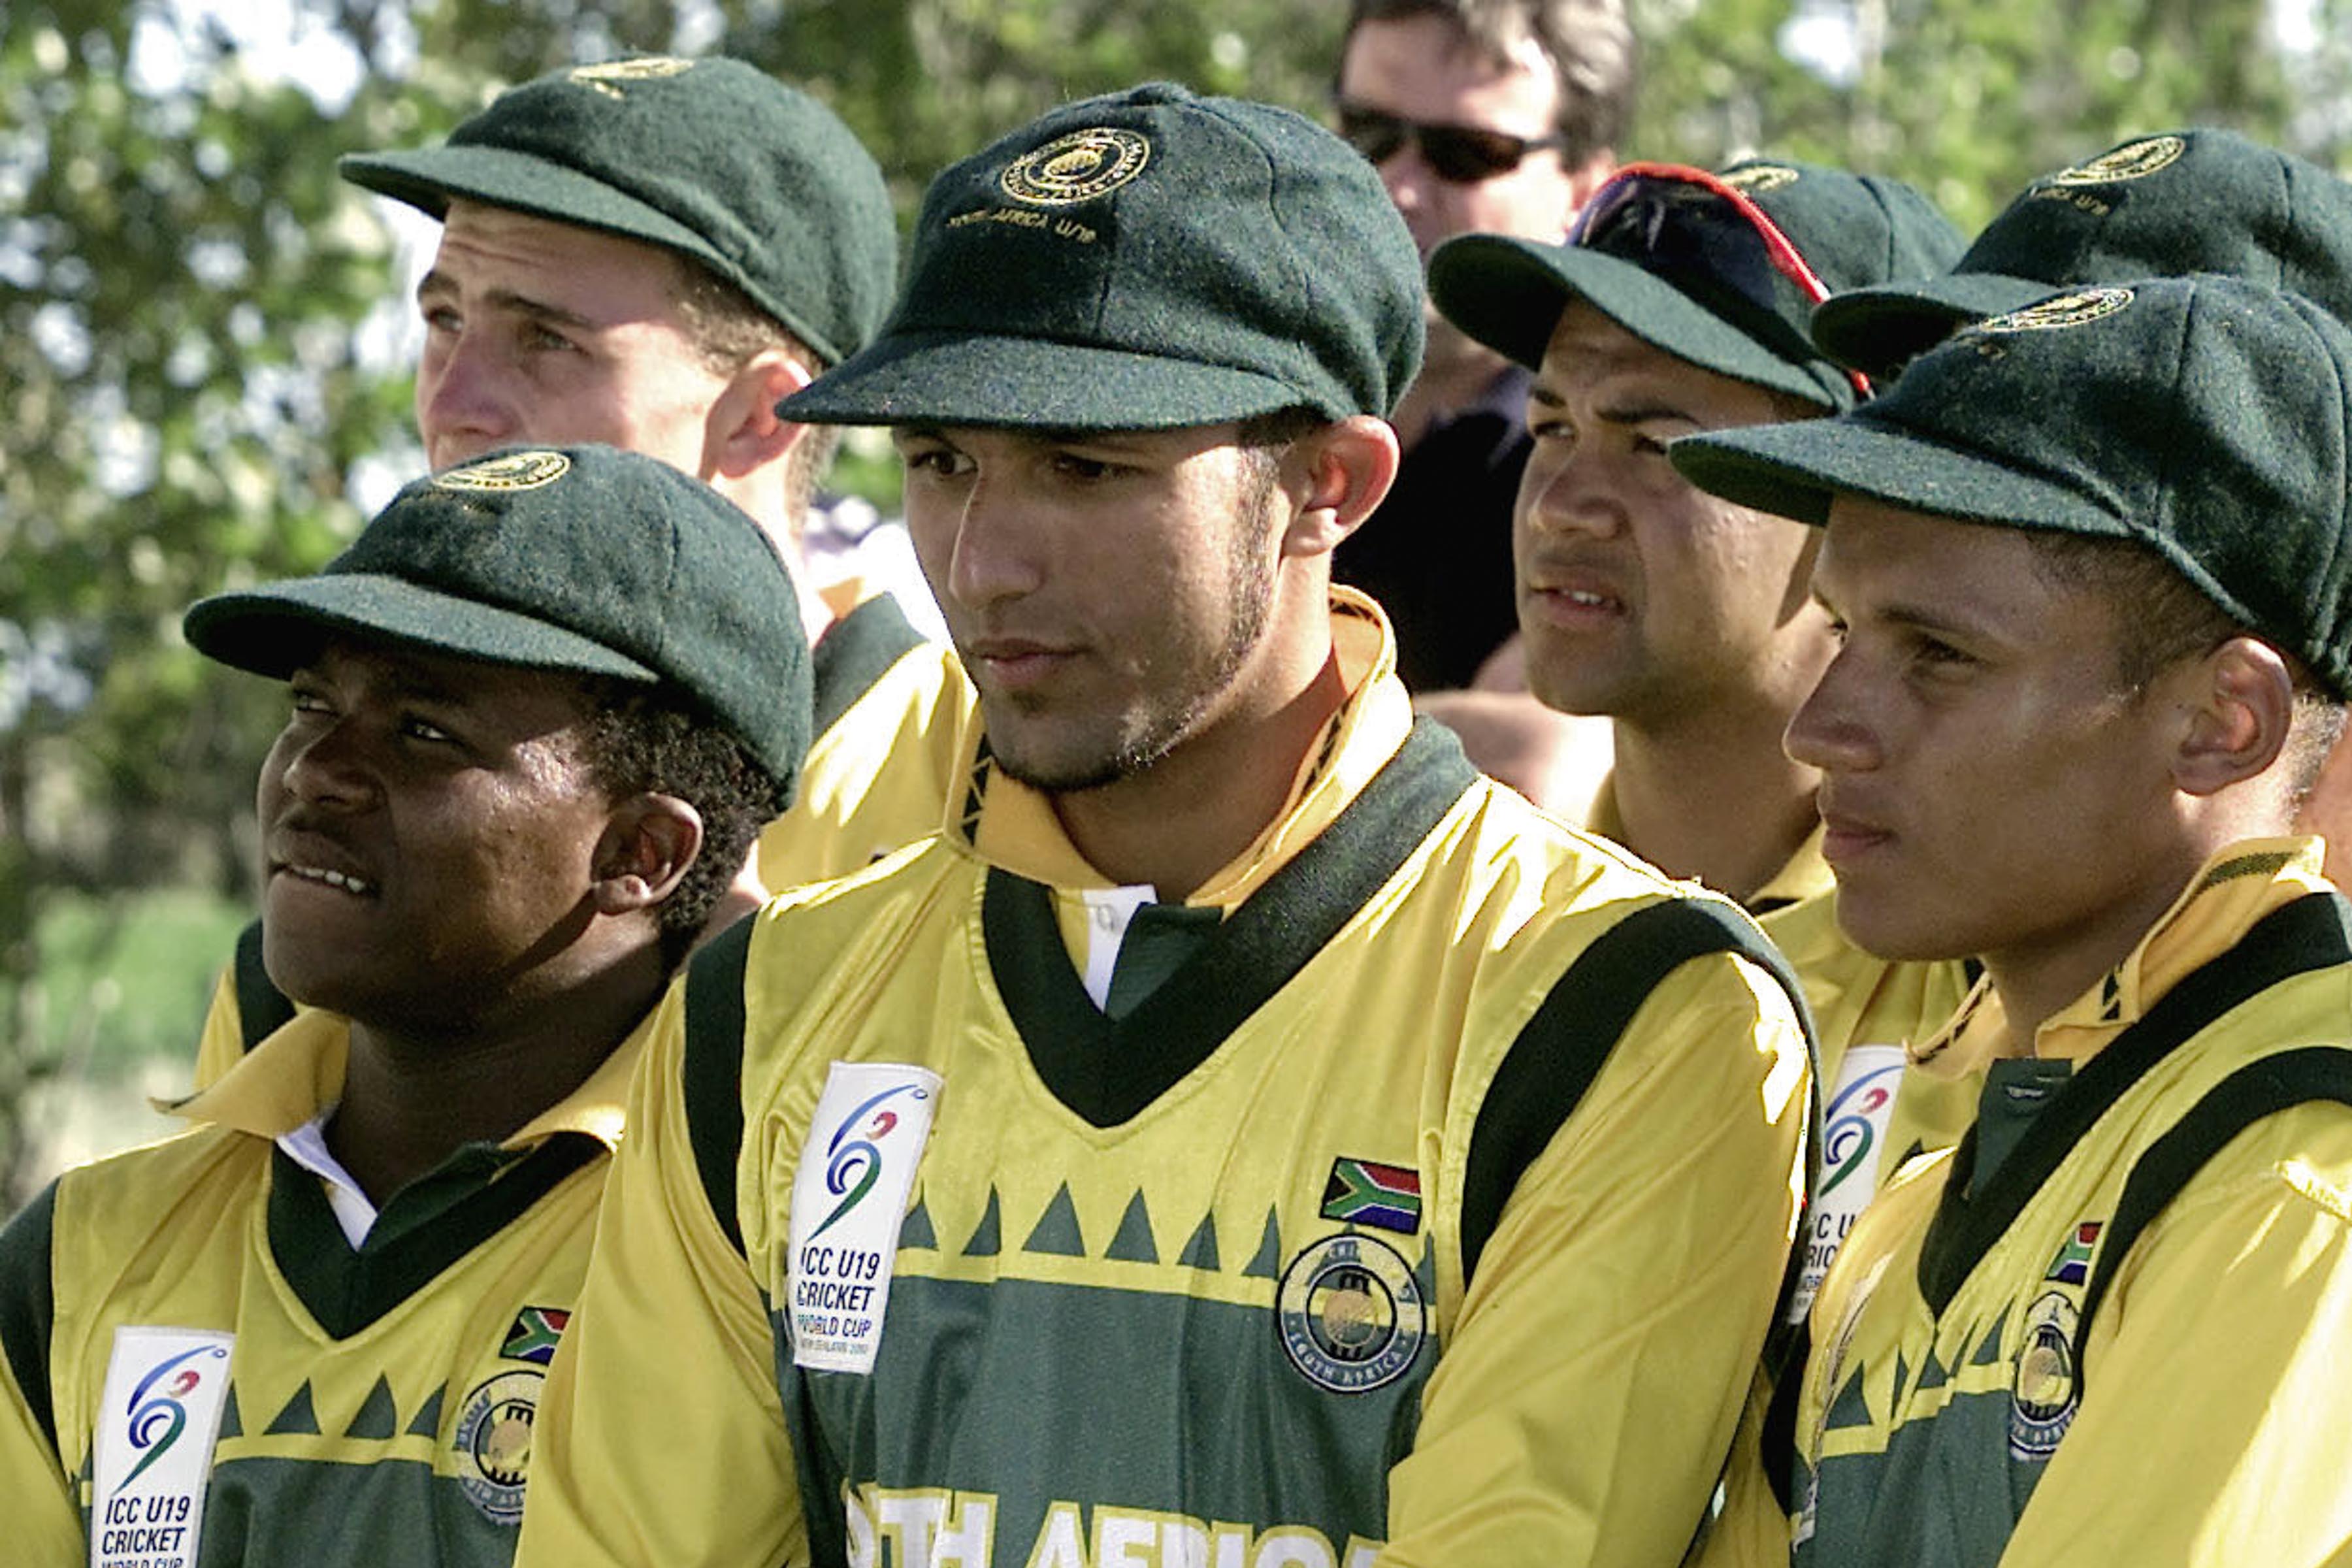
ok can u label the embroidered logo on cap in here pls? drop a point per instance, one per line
(610, 76)
(1078, 167)
(2065, 310)
(511, 471)
(1758, 178)
(2133, 161)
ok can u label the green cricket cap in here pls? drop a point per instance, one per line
(1145, 260)
(1664, 253)
(712, 158)
(2205, 418)
(2199, 200)
(583, 559)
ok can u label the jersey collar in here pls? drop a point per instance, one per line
(294, 1075)
(2232, 891)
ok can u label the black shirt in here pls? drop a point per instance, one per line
(1437, 553)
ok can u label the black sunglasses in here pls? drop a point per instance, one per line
(1460, 154)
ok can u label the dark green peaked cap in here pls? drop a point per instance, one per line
(712, 158)
(583, 559)
(2199, 200)
(2205, 418)
(1851, 229)
(1145, 260)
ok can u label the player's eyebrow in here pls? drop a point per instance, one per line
(1630, 408)
(435, 282)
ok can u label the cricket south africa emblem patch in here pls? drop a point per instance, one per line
(493, 1443)
(1350, 1315)
(1758, 178)
(1076, 168)
(509, 471)
(2076, 310)
(2042, 1396)
(2132, 161)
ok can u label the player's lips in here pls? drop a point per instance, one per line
(1846, 835)
(1011, 662)
(307, 858)
(1572, 597)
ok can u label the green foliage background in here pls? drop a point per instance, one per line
(184, 405)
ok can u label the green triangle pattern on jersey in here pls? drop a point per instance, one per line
(1200, 1252)
(298, 1417)
(1849, 1408)
(1134, 1242)
(1267, 1264)
(988, 1240)
(429, 1420)
(378, 1417)
(1056, 1231)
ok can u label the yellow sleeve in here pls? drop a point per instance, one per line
(43, 1512)
(877, 779)
(222, 1044)
(660, 1438)
(1582, 1411)
(2216, 1379)
(1751, 1530)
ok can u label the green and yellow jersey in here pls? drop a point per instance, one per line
(1424, 1202)
(2002, 1374)
(1869, 1013)
(889, 708)
(376, 1401)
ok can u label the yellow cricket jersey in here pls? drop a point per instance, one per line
(1877, 1111)
(890, 707)
(1997, 1378)
(1869, 1013)
(378, 1400)
(1430, 1210)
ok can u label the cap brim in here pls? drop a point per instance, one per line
(1795, 469)
(1508, 294)
(427, 178)
(271, 630)
(1878, 331)
(956, 378)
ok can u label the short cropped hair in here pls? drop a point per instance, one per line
(1589, 43)
(656, 740)
(729, 330)
(2161, 618)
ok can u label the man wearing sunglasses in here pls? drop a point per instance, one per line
(1680, 305)
(1496, 117)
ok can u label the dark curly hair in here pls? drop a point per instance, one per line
(656, 740)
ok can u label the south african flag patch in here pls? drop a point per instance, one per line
(1365, 1191)
(533, 1334)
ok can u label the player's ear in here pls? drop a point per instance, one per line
(2240, 706)
(1335, 476)
(742, 432)
(646, 850)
